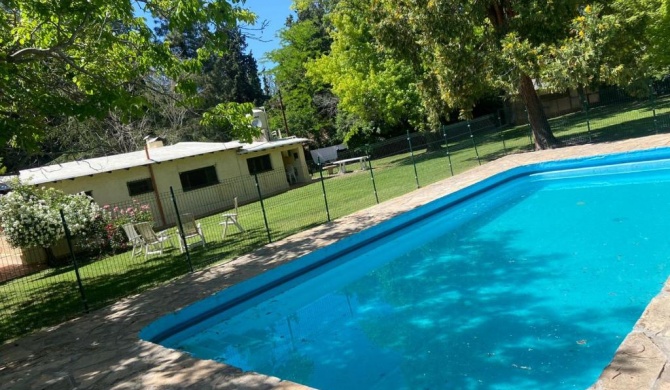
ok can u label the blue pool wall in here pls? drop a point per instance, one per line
(196, 314)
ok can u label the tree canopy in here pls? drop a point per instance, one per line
(63, 59)
(310, 106)
(461, 51)
(374, 89)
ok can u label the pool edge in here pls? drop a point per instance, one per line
(101, 350)
(408, 217)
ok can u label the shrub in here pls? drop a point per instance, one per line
(30, 216)
(118, 216)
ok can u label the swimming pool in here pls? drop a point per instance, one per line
(525, 296)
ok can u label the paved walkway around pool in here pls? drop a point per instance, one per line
(101, 350)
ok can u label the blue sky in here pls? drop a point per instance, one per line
(275, 12)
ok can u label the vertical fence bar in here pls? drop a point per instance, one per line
(474, 144)
(68, 238)
(446, 145)
(260, 198)
(323, 187)
(180, 229)
(585, 103)
(372, 175)
(502, 135)
(411, 152)
(652, 96)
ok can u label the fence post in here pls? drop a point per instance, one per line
(323, 187)
(411, 152)
(182, 237)
(446, 145)
(265, 216)
(585, 104)
(502, 136)
(652, 94)
(372, 175)
(474, 145)
(68, 238)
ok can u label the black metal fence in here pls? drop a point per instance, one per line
(86, 277)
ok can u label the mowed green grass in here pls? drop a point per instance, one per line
(52, 296)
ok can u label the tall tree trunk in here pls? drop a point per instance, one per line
(544, 138)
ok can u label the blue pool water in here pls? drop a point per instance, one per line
(529, 280)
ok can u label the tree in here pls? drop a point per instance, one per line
(463, 50)
(229, 77)
(618, 43)
(235, 117)
(74, 138)
(79, 59)
(308, 104)
(374, 90)
(658, 35)
(233, 77)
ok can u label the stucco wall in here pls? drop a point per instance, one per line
(231, 169)
(107, 188)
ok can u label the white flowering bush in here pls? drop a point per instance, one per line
(30, 216)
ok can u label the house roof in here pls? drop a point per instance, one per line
(261, 146)
(92, 166)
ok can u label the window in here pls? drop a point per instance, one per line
(259, 164)
(198, 178)
(139, 187)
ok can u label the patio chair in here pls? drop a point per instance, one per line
(230, 219)
(192, 233)
(291, 177)
(153, 243)
(134, 238)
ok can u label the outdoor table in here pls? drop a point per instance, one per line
(342, 164)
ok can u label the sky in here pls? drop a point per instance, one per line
(275, 13)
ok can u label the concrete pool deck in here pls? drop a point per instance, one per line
(101, 350)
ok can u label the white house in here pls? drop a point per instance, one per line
(206, 176)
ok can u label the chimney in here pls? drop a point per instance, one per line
(152, 143)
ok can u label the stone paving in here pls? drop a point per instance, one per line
(102, 350)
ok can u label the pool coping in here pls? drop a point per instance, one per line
(103, 350)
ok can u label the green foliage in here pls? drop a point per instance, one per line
(80, 59)
(29, 216)
(310, 106)
(617, 42)
(229, 77)
(115, 217)
(234, 116)
(658, 35)
(373, 88)
(464, 50)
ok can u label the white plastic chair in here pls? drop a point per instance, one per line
(153, 243)
(192, 231)
(291, 176)
(133, 238)
(230, 219)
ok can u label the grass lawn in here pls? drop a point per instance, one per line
(52, 295)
